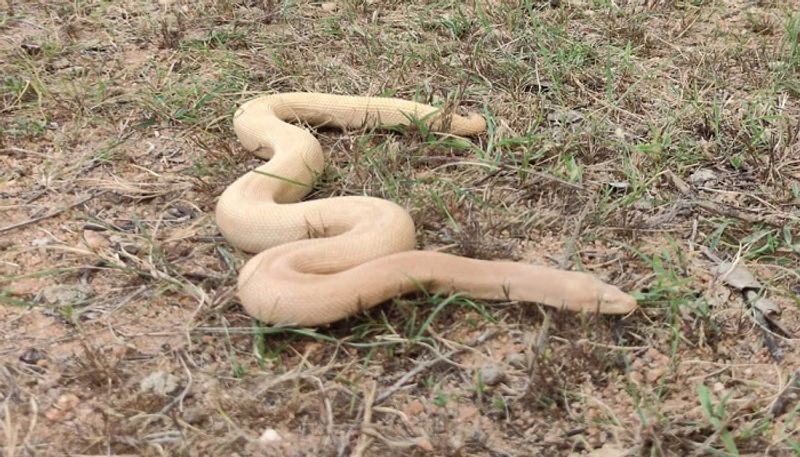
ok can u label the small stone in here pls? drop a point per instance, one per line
(654, 374)
(32, 356)
(125, 225)
(492, 374)
(620, 133)
(718, 387)
(180, 211)
(95, 240)
(66, 294)
(643, 204)
(270, 435)
(703, 177)
(160, 383)
(414, 408)
(62, 410)
(31, 48)
(456, 442)
(564, 116)
(60, 63)
(121, 244)
(41, 242)
(194, 415)
(619, 185)
(328, 7)
(517, 360)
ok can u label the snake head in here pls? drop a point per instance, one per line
(614, 301)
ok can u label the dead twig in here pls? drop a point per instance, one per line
(11, 227)
(365, 440)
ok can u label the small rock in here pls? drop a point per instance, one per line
(270, 435)
(563, 117)
(654, 374)
(32, 356)
(492, 374)
(703, 177)
(31, 48)
(41, 242)
(414, 408)
(194, 415)
(95, 240)
(121, 244)
(61, 63)
(160, 383)
(66, 294)
(517, 360)
(328, 7)
(180, 212)
(62, 410)
(644, 204)
(76, 71)
(125, 225)
(456, 443)
(619, 185)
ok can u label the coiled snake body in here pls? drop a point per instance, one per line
(320, 261)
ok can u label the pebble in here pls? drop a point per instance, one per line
(492, 374)
(62, 410)
(40, 242)
(66, 294)
(32, 356)
(95, 240)
(703, 177)
(517, 360)
(159, 382)
(270, 435)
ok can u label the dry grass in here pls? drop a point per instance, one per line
(625, 138)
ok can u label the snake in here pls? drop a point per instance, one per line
(318, 261)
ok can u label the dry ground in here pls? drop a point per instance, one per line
(626, 139)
